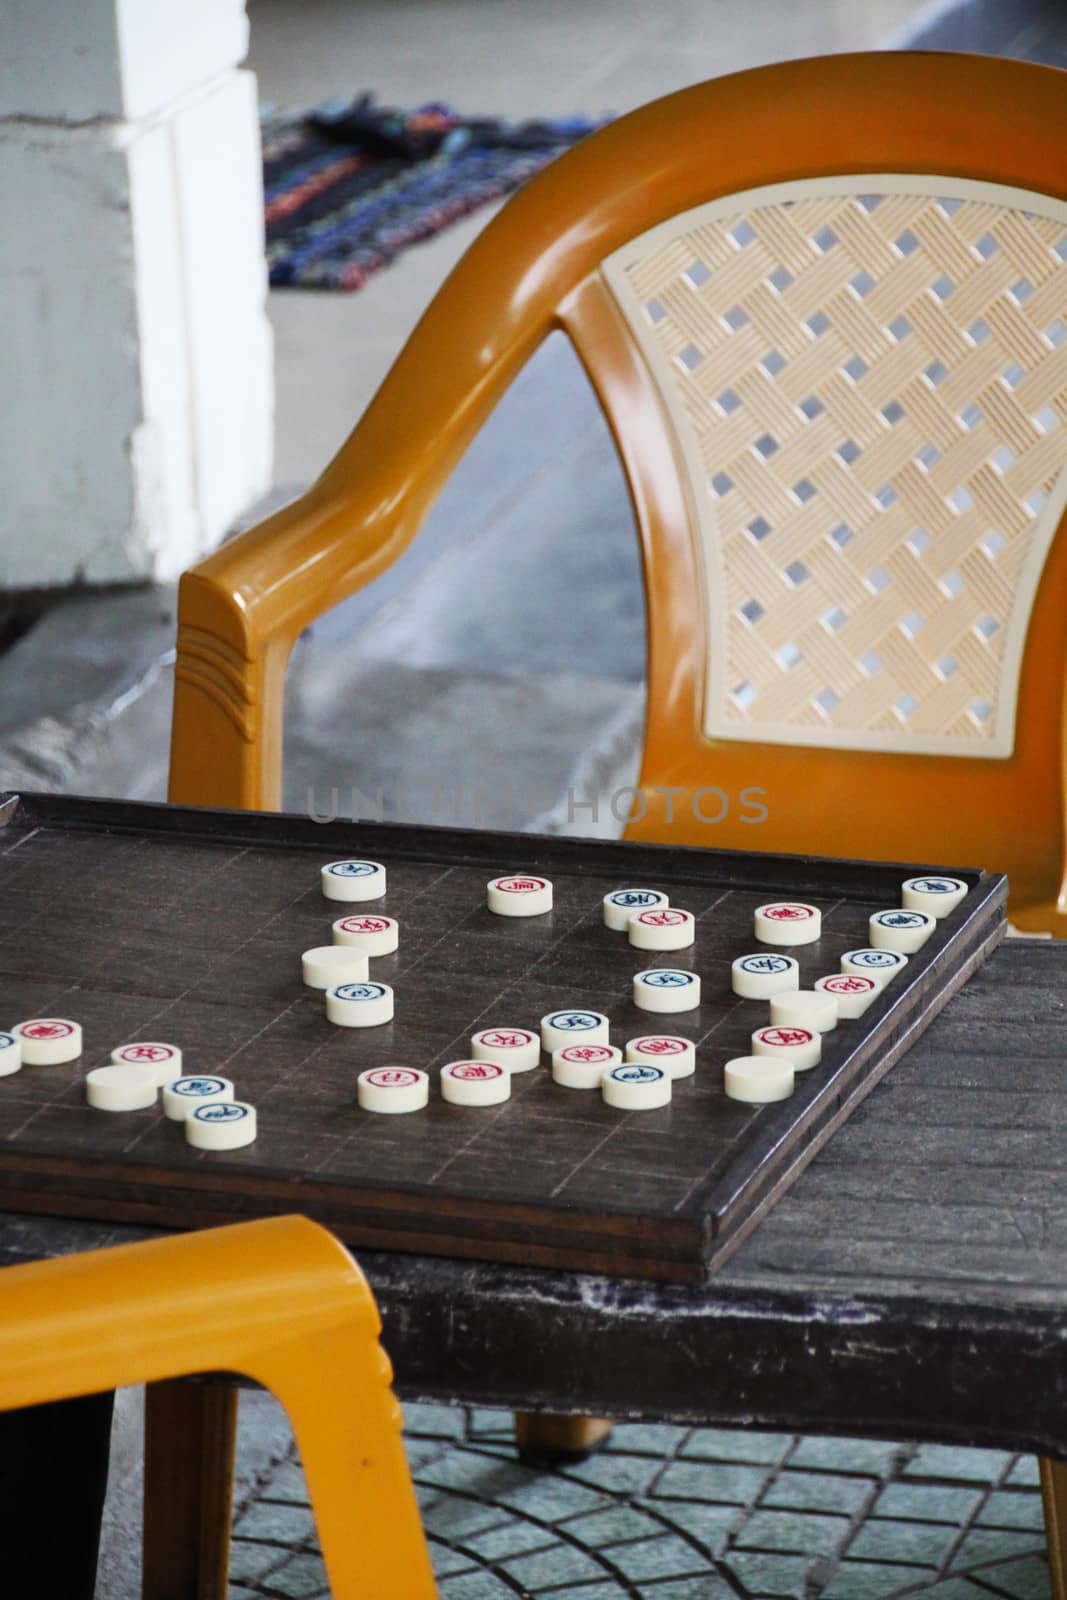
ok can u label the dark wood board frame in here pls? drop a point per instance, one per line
(640, 1236)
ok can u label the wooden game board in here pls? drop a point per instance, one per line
(184, 925)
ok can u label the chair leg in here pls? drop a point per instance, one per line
(347, 1426)
(1054, 1496)
(190, 1435)
(544, 1436)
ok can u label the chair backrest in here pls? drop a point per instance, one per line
(824, 307)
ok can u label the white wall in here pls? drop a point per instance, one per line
(136, 392)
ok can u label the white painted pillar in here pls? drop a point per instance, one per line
(136, 391)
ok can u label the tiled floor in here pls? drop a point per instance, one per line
(674, 1513)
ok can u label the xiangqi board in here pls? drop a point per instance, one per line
(187, 926)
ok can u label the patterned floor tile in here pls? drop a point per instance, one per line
(870, 1580)
(1007, 1508)
(868, 1456)
(819, 1491)
(953, 1461)
(664, 1515)
(927, 1502)
(793, 1532)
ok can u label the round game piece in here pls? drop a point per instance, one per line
(10, 1054)
(514, 1048)
(226, 1125)
(666, 989)
(676, 1056)
(165, 1060)
(787, 922)
(662, 929)
(368, 931)
(800, 1047)
(330, 964)
(393, 1090)
(939, 896)
(353, 880)
(851, 990)
(573, 1027)
(125, 1088)
(360, 1005)
(635, 1087)
(580, 1066)
(620, 905)
(758, 977)
(475, 1083)
(881, 965)
(519, 895)
(181, 1098)
(48, 1041)
(906, 931)
(758, 1079)
(805, 1008)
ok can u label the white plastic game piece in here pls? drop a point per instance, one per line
(666, 989)
(330, 964)
(573, 1026)
(676, 1056)
(801, 1047)
(48, 1041)
(165, 1060)
(852, 991)
(226, 1125)
(758, 977)
(787, 922)
(636, 1087)
(353, 880)
(475, 1083)
(758, 1079)
(939, 896)
(620, 905)
(517, 1049)
(393, 1090)
(579, 1066)
(519, 894)
(360, 1005)
(369, 931)
(881, 965)
(10, 1054)
(906, 931)
(126, 1088)
(805, 1008)
(662, 929)
(181, 1098)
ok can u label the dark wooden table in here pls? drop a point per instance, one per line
(913, 1283)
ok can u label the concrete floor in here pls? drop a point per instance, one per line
(509, 57)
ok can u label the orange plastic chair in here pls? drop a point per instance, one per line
(278, 1301)
(822, 305)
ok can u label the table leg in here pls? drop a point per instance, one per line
(190, 1434)
(53, 1480)
(1054, 1495)
(542, 1435)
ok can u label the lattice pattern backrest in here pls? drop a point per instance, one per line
(867, 378)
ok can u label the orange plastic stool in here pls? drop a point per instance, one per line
(278, 1301)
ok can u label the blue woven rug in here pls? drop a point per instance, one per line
(350, 185)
